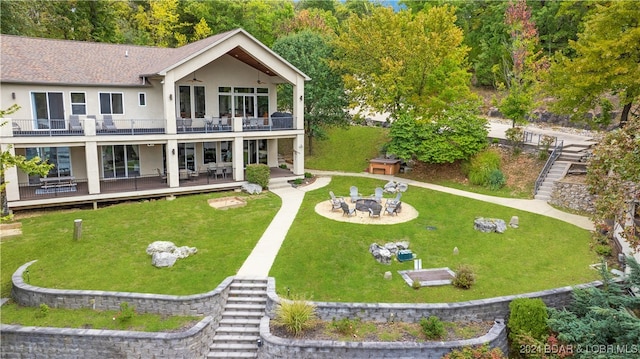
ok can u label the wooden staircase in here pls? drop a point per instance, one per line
(239, 328)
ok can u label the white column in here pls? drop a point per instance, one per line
(173, 172)
(169, 102)
(298, 103)
(238, 159)
(272, 152)
(93, 169)
(11, 175)
(298, 155)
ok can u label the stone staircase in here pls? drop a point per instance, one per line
(557, 171)
(239, 328)
(574, 152)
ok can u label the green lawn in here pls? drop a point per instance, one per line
(347, 149)
(329, 261)
(111, 254)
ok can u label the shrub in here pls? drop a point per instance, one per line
(345, 326)
(527, 320)
(432, 327)
(126, 312)
(258, 174)
(44, 311)
(464, 278)
(308, 175)
(296, 316)
(415, 284)
(283, 166)
(496, 180)
(482, 352)
(603, 250)
(515, 137)
(481, 166)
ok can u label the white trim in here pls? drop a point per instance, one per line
(110, 102)
(78, 103)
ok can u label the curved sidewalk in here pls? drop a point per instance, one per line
(259, 262)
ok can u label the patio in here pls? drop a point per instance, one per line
(409, 213)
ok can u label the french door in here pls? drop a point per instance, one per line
(48, 110)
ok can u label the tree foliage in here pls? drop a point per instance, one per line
(324, 102)
(398, 61)
(601, 317)
(445, 137)
(606, 64)
(613, 176)
(8, 160)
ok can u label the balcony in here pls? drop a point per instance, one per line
(225, 124)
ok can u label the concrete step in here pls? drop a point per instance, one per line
(239, 314)
(248, 284)
(230, 330)
(247, 293)
(239, 355)
(234, 347)
(245, 322)
(245, 307)
(234, 339)
(247, 300)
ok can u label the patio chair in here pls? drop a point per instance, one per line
(107, 123)
(378, 194)
(74, 123)
(184, 174)
(346, 210)
(392, 209)
(162, 176)
(220, 172)
(395, 200)
(353, 193)
(15, 127)
(336, 202)
(375, 209)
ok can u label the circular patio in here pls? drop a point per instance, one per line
(408, 213)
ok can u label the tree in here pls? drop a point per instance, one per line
(397, 61)
(448, 136)
(325, 100)
(606, 65)
(7, 160)
(613, 176)
(520, 68)
(601, 317)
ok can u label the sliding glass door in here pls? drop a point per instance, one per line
(120, 161)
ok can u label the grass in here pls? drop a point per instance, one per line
(353, 146)
(91, 319)
(111, 254)
(329, 261)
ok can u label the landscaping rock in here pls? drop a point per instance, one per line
(252, 188)
(403, 244)
(160, 247)
(163, 259)
(185, 251)
(513, 223)
(488, 225)
(381, 254)
(387, 275)
(455, 251)
(393, 187)
(391, 247)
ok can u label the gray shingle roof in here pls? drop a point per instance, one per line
(37, 60)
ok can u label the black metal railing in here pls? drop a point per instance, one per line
(557, 151)
(131, 127)
(46, 127)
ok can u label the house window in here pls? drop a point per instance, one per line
(59, 157)
(209, 152)
(246, 101)
(187, 156)
(78, 103)
(120, 161)
(111, 103)
(192, 97)
(48, 110)
(142, 99)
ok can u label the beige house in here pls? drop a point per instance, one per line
(124, 121)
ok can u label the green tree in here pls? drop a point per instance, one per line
(324, 101)
(613, 176)
(601, 316)
(8, 160)
(443, 137)
(605, 65)
(398, 61)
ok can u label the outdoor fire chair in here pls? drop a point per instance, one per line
(393, 202)
(393, 208)
(353, 193)
(375, 209)
(335, 201)
(346, 210)
(378, 194)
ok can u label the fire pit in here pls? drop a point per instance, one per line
(364, 204)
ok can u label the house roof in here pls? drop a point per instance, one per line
(50, 61)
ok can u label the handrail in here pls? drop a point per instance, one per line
(557, 151)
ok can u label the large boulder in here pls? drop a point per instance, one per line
(488, 225)
(185, 251)
(161, 246)
(252, 188)
(163, 259)
(380, 253)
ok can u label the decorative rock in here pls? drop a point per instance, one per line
(185, 251)
(488, 225)
(403, 245)
(160, 246)
(513, 223)
(391, 247)
(393, 187)
(252, 188)
(163, 259)
(455, 251)
(387, 275)
(381, 254)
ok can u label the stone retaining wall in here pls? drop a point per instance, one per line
(39, 342)
(210, 303)
(567, 194)
(276, 347)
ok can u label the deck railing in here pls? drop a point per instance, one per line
(557, 151)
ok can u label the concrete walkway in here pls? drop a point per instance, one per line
(259, 262)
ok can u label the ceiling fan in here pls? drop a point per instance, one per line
(194, 78)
